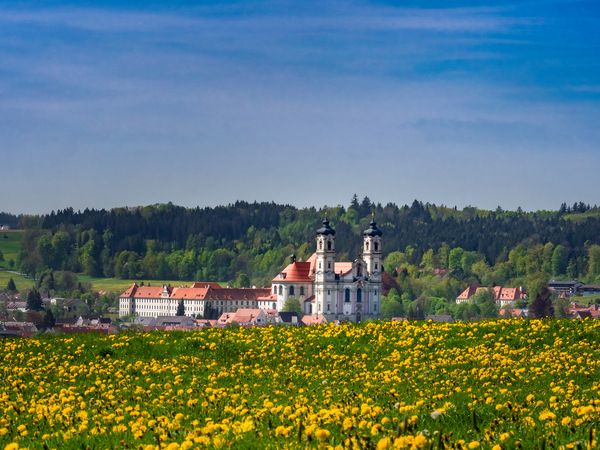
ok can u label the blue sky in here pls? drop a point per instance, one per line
(119, 103)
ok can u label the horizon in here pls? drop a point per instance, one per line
(135, 103)
(318, 208)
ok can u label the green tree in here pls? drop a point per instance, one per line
(560, 259)
(49, 320)
(1, 256)
(11, 286)
(180, 308)
(593, 261)
(34, 300)
(484, 299)
(561, 306)
(455, 259)
(241, 280)
(391, 305)
(292, 304)
(535, 284)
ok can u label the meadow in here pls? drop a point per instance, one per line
(117, 285)
(494, 384)
(10, 246)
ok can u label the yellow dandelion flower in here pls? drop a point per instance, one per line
(322, 434)
(383, 443)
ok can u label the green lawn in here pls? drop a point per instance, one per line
(10, 245)
(118, 285)
(20, 281)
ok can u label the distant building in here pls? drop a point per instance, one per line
(565, 288)
(314, 320)
(17, 329)
(504, 296)
(204, 299)
(248, 317)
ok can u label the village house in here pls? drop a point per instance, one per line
(249, 317)
(504, 296)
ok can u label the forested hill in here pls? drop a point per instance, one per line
(253, 240)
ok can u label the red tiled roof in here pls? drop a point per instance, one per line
(197, 293)
(204, 284)
(296, 272)
(314, 320)
(129, 292)
(242, 315)
(149, 292)
(510, 294)
(267, 297)
(467, 293)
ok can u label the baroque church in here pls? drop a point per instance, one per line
(332, 289)
(327, 289)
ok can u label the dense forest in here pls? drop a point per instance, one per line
(248, 243)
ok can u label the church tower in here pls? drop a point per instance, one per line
(325, 264)
(325, 267)
(372, 251)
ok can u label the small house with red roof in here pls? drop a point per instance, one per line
(504, 296)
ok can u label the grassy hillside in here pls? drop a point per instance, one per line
(491, 385)
(117, 285)
(10, 245)
(20, 281)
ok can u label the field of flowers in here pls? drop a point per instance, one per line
(496, 384)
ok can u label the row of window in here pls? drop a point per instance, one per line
(292, 290)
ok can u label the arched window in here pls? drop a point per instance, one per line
(376, 246)
(301, 290)
(320, 245)
(359, 271)
(291, 290)
(347, 295)
(280, 290)
(367, 245)
(358, 295)
(328, 245)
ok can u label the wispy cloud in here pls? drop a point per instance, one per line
(258, 96)
(350, 18)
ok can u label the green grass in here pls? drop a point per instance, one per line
(10, 245)
(118, 285)
(20, 281)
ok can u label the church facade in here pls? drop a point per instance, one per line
(334, 289)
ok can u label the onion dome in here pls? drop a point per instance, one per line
(326, 230)
(372, 230)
